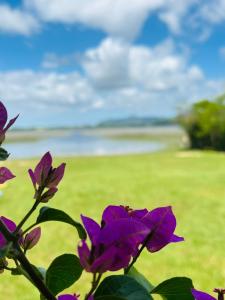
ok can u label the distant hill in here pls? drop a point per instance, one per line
(132, 121)
(137, 122)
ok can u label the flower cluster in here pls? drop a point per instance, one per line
(122, 232)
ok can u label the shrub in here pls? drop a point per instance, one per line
(204, 123)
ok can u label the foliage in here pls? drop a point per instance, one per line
(205, 124)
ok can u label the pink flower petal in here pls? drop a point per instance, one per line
(5, 175)
(3, 115)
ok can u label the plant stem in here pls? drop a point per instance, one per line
(33, 208)
(34, 277)
(221, 294)
(9, 269)
(26, 216)
(147, 239)
(36, 280)
(94, 285)
(126, 271)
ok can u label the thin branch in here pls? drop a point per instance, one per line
(94, 286)
(33, 208)
(25, 264)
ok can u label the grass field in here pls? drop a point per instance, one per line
(192, 182)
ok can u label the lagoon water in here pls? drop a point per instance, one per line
(80, 144)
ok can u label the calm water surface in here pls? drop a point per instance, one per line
(81, 145)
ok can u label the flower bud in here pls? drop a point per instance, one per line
(48, 195)
(31, 239)
(44, 177)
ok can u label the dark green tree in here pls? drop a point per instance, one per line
(204, 123)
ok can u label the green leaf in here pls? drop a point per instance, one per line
(133, 272)
(63, 272)
(122, 286)
(47, 214)
(176, 288)
(3, 154)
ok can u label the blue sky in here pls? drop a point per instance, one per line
(74, 62)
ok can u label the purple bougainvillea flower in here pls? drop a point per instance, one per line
(11, 227)
(161, 223)
(127, 230)
(113, 212)
(112, 245)
(198, 295)
(121, 233)
(201, 296)
(45, 176)
(3, 122)
(5, 175)
(68, 297)
(31, 239)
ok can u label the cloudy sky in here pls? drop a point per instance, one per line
(73, 62)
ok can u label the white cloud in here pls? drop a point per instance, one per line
(213, 11)
(54, 61)
(46, 89)
(116, 64)
(205, 16)
(153, 80)
(120, 18)
(107, 66)
(116, 17)
(174, 13)
(17, 21)
(118, 77)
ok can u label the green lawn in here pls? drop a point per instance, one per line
(192, 182)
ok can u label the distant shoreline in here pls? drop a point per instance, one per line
(122, 132)
(33, 135)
